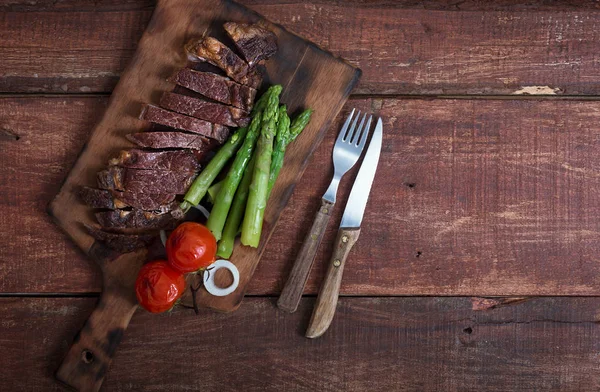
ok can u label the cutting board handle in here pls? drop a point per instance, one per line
(89, 357)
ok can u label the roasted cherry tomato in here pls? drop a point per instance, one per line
(158, 286)
(190, 247)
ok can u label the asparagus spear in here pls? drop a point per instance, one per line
(218, 215)
(286, 134)
(213, 191)
(200, 185)
(260, 105)
(257, 196)
(236, 213)
(299, 124)
(281, 142)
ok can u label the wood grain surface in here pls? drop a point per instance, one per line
(378, 344)
(474, 197)
(478, 197)
(409, 47)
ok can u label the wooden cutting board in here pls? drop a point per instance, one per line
(311, 77)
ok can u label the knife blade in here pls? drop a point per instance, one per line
(347, 236)
(357, 201)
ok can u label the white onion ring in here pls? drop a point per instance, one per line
(203, 210)
(163, 237)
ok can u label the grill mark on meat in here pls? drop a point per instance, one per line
(215, 52)
(121, 242)
(209, 111)
(255, 43)
(179, 160)
(145, 181)
(138, 219)
(186, 123)
(216, 87)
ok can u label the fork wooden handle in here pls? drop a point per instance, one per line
(330, 289)
(292, 291)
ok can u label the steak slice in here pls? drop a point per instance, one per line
(179, 160)
(209, 111)
(216, 87)
(158, 140)
(255, 43)
(121, 242)
(216, 53)
(147, 201)
(115, 200)
(138, 219)
(145, 181)
(185, 123)
(99, 198)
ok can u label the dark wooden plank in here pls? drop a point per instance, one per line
(519, 180)
(472, 47)
(40, 140)
(423, 344)
(484, 197)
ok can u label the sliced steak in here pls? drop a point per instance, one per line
(115, 200)
(186, 123)
(111, 199)
(209, 111)
(145, 181)
(216, 87)
(179, 160)
(99, 198)
(137, 219)
(147, 201)
(121, 242)
(255, 43)
(216, 53)
(159, 140)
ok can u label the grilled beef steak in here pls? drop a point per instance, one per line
(179, 121)
(214, 52)
(137, 219)
(121, 242)
(115, 200)
(145, 181)
(100, 198)
(216, 87)
(171, 140)
(209, 111)
(255, 43)
(179, 160)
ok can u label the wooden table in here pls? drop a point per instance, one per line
(489, 186)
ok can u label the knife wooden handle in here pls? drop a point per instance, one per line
(330, 289)
(292, 291)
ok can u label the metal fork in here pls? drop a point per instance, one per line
(346, 151)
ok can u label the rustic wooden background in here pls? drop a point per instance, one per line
(489, 185)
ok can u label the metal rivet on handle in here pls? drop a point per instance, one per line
(345, 239)
(337, 263)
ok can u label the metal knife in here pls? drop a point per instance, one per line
(346, 238)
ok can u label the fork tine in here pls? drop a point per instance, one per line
(345, 127)
(363, 138)
(360, 129)
(350, 132)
